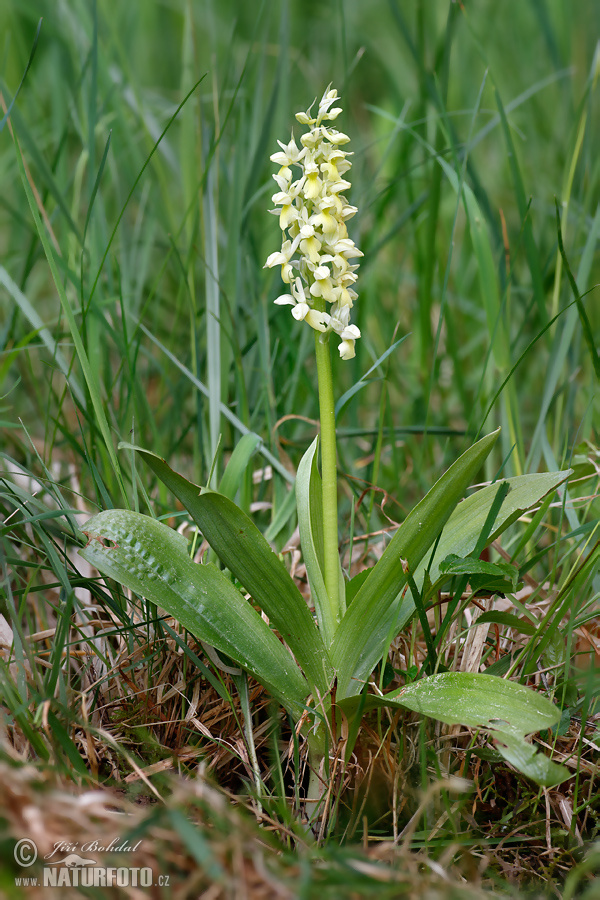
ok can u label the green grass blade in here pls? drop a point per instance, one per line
(90, 375)
(226, 412)
(362, 381)
(34, 318)
(9, 109)
(47, 176)
(237, 465)
(213, 316)
(532, 252)
(583, 316)
(67, 746)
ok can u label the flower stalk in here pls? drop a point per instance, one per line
(331, 562)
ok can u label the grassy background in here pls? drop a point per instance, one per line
(133, 305)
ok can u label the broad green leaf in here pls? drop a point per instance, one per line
(460, 565)
(364, 630)
(490, 584)
(151, 559)
(507, 711)
(237, 465)
(353, 586)
(498, 617)
(309, 500)
(483, 575)
(557, 651)
(526, 758)
(462, 531)
(464, 526)
(240, 545)
(243, 549)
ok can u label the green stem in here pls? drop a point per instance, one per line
(331, 561)
(313, 804)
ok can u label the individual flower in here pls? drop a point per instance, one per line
(290, 154)
(301, 309)
(316, 249)
(282, 258)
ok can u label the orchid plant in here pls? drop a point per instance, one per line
(317, 660)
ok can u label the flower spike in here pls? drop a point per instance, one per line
(312, 210)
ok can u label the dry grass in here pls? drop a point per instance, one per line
(227, 857)
(157, 737)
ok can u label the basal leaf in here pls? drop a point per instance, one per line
(240, 545)
(310, 522)
(460, 565)
(151, 559)
(481, 572)
(353, 586)
(243, 549)
(364, 630)
(499, 617)
(526, 758)
(464, 526)
(507, 711)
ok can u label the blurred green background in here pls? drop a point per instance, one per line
(467, 122)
